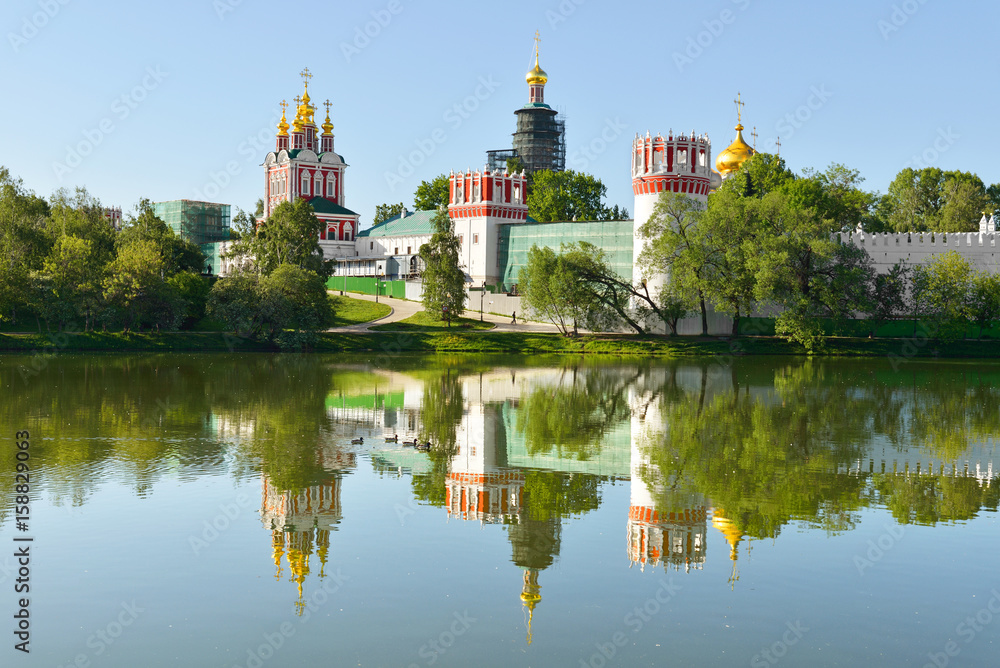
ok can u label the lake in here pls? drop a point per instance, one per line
(216, 510)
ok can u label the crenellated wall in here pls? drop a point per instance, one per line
(979, 248)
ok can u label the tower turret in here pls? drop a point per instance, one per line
(326, 140)
(675, 163)
(281, 139)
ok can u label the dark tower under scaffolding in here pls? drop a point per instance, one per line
(540, 140)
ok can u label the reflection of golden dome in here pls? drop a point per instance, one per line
(536, 75)
(733, 157)
(728, 529)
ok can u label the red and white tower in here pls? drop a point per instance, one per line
(479, 202)
(675, 163)
(304, 165)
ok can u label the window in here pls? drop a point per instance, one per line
(461, 239)
(475, 238)
(331, 183)
(348, 232)
(408, 251)
(305, 184)
(371, 245)
(395, 251)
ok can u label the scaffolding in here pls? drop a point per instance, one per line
(540, 140)
(197, 222)
(498, 160)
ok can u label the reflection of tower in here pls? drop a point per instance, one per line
(531, 596)
(733, 537)
(667, 520)
(300, 524)
(477, 488)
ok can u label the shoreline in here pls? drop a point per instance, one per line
(476, 342)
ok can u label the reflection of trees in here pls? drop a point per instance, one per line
(574, 415)
(145, 413)
(771, 457)
(767, 459)
(441, 412)
(277, 405)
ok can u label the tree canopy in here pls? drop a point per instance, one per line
(434, 194)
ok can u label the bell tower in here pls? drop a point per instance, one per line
(304, 165)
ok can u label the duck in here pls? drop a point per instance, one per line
(392, 439)
(424, 446)
(358, 441)
(413, 442)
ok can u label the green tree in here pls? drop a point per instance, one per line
(444, 281)
(801, 269)
(136, 290)
(288, 307)
(730, 229)
(289, 236)
(567, 195)
(75, 272)
(552, 290)
(677, 243)
(434, 194)
(984, 299)
(295, 306)
(941, 294)
(23, 242)
(933, 200)
(888, 296)
(384, 212)
(759, 175)
(177, 254)
(193, 289)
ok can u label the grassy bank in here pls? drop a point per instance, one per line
(422, 322)
(494, 342)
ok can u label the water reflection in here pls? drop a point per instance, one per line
(747, 448)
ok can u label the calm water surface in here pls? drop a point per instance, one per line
(213, 511)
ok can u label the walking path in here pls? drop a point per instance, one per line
(402, 309)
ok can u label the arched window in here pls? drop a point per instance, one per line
(348, 232)
(331, 185)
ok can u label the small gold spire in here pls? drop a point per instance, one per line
(283, 124)
(297, 123)
(536, 75)
(327, 125)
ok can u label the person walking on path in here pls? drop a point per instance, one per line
(513, 317)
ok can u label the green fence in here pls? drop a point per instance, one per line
(367, 285)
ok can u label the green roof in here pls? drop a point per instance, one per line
(323, 205)
(417, 222)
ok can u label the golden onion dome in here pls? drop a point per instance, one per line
(733, 157)
(327, 125)
(283, 124)
(536, 75)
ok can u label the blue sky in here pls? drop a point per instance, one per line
(171, 100)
